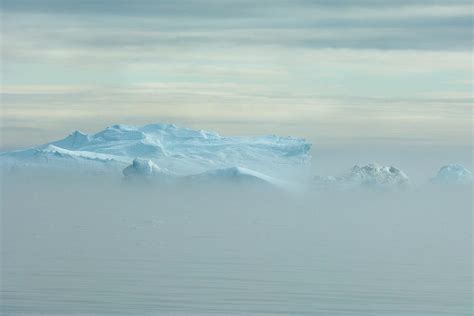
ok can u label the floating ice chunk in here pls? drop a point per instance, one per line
(376, 175)
(371, 176)
(453, 174)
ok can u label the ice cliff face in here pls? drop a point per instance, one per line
(369, 176)
(181, 151)
(453, 174)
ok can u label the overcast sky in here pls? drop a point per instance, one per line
(336, 71)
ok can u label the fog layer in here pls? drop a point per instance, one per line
(97, 246)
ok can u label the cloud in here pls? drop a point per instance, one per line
(339, 67)
(441, 117)
(220, 8)
(313, 24)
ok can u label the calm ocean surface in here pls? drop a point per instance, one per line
(88, 252)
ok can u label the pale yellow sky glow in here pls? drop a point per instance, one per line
(333, 73)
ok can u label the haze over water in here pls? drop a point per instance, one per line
(363, 81)
(108, 248)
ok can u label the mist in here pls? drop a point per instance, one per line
(98, 245)
(205, 157)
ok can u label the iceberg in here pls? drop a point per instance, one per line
(164, 149)
(144, 168)
(453, 174)
(145, 171)
(237, 175)
(372, 176)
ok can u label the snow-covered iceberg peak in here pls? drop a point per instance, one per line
(371, 176)
(453, 174)
(75, 140)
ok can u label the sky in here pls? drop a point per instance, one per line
(336, 72)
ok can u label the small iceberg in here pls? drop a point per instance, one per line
(453, 174)
(372, 176)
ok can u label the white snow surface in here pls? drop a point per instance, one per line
(144, 168)
(453, 174)
(238, 175)
(163, 148)
(369, 176)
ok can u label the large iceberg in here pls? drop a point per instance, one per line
(453, 174)
(370, 176)
(178, 151)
